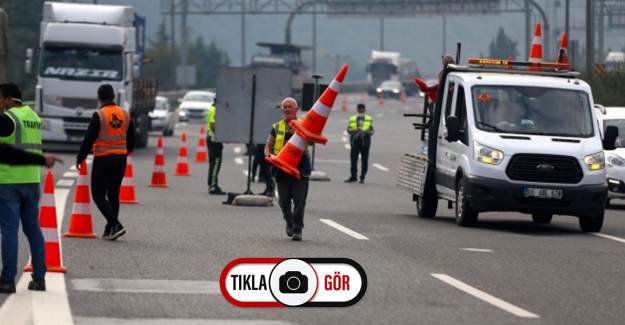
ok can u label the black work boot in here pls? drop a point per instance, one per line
(37, 285)
(289, 229)
(351, 179)
(7, 286)
(216, 190)
(297, 235)
(116, 232)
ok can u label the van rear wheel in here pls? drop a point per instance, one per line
(465, 215)
(542, 218)
(591, 224)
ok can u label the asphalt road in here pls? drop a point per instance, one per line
(505, 271)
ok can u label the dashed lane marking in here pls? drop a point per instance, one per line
(71, 174)
(344, 139)
(65, 182)
(345, 132)
(479, 294)
(618, 239)
(331, 161)
(379, 114)
(343, 229)
(237, 150)
(245, 172)
(238, 161)
(166, 321)
(72, 167)
(347, 146)
(380, 167)
(477, 250)
(146, 286)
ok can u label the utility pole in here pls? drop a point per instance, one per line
(314, 39)
(243, 34)
(600, 32)
(381, 33)
(528, 22)
(172, 37)
(185, 42)
(589, 37)
(444, 35)
(567, 13)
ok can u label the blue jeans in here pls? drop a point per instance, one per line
(21, 202)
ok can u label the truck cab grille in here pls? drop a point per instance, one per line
(544, 169)
(86, 103)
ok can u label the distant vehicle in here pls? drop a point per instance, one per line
(615, 159)
(163, 116)
(81, 47)
(390, 89)
(285, 56)
(615, 61)
(391, 66)
(194, 105)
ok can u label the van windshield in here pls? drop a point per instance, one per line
(532, 110)
(72, 61)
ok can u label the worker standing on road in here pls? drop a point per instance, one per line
(360, 129)
(215, 152)
(111, 136)
(21, 127)
(292, 191)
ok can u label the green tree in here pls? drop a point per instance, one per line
(163, 62)
(501, 47)
(207, 60)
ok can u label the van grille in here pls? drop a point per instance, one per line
(524, 167)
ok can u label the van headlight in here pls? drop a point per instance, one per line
(615, 161)
(487, 155)
(596, 161)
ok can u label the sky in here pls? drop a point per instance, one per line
(418, 38)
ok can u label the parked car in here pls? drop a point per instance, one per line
(615, 159)
(194, 105)
(163, 117)
(390, 89)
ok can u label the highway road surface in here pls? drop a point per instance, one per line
(166, 269)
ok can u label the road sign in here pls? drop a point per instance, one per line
(616, 15)
(411, 7)
(600, 70)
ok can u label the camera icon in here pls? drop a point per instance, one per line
(293, 282)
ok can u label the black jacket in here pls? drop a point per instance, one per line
(92, 135)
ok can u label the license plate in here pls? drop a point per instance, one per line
(543, 193)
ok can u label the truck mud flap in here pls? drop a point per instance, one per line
(412, 173)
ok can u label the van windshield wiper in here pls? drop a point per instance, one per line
(494, 128)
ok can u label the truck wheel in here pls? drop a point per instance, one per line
(542, 218)
(465, 215)
(141, 140)
(591, 224)
(427, 205)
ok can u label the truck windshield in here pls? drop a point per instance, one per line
(620, 124)
(382, 71)
(532, 110)
(70, 61)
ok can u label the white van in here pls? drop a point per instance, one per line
(615, 159)
(515, 140)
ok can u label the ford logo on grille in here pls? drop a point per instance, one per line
(80, 110)
(545, 168)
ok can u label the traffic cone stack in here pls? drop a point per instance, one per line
(536, 50)
(312, 125)
(182, 164)
(159, 178)
(47, 222)
(81, 224)
(201, 156)
(290, 156)
(127, 190)
(563, 52)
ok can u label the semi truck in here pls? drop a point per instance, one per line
(81, 47)
(385, 66)
(510, 136)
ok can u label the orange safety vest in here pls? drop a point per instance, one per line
(114, 122)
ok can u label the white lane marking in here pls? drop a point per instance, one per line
(618, 239)
(237, 150)
(70, 175)
(65, 182)
(238, 161)
(519, 312)
(477, 250)
(73, 168)
(171, 321)
(276, 192)
(343, 229)
(331, 161)
(345, 132)
(146, 286)
(245, 172)
(344, 139)
(379, 114)
(47, 307)
(380, 167)
(347, 146)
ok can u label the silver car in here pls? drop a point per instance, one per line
(163, 116)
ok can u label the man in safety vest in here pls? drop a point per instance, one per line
(215, 151)
(292, 191)
(360, 129)
(111, 137)
(19, 190)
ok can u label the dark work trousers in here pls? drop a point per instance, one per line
(215, 151)
(363, 151)
(293, 193)
(258, 162)
(106, 179)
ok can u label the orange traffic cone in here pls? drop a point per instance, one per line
(127, 191)
(201, 155)
(536, 50)
(159, 178)
(47, 221)
(289, 157)
(182, 164)
(563, 52)
(81, 224)
(312, 125)
(344, 105)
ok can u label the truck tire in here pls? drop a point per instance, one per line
(591, 224)
(542, 218)
(141, 137)
(427, 205)
(465, 215)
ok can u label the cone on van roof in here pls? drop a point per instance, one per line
(563, 51)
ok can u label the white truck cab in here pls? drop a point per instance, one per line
(506, 140)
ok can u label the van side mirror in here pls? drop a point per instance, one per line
(453, 128)
(609, 138)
